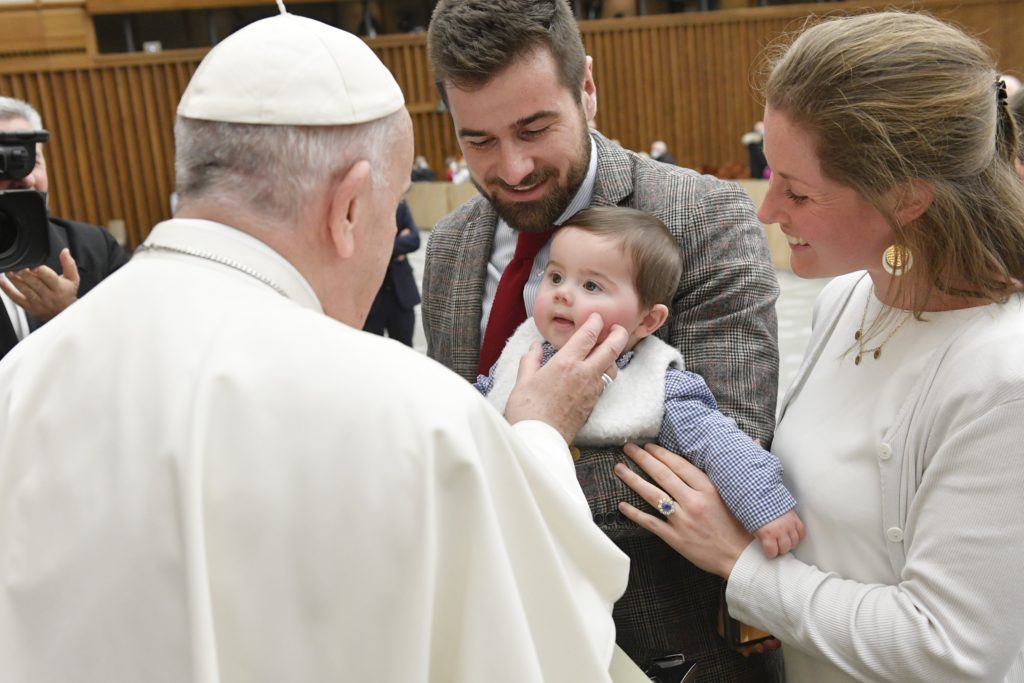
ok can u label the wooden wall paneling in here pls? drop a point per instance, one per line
(63, 182)
(109, 171)
(166, 105)
(618, 100)
(674, 73)
(685, 78)
(76, 149)
(732, 114)
(148, 140)
(657, 80)
(633, 103)
(687, 81)
(135, 218)
(141, 163)
(89, 110)
(61, 158)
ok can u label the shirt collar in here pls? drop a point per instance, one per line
(584, 195)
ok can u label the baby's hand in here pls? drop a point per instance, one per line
(781, 535)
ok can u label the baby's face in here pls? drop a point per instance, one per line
(586, 274)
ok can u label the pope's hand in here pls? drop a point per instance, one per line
(564, 391)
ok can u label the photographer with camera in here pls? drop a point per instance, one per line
(46, 262)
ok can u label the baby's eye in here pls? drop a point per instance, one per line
(556, 278)
(591, 286)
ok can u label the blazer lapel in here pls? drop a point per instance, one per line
(468, 288)
(614, 182)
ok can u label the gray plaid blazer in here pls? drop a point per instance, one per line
(722, 321)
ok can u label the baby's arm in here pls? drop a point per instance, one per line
(748, 477)
(781, 535)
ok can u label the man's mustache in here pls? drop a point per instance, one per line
(532, 179)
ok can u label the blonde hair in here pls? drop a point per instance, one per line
(893, 97)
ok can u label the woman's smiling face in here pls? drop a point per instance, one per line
(831, 229)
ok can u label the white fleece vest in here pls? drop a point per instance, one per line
(631, 409)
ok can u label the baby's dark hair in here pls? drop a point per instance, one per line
(643, 238)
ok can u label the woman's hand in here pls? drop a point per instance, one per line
(701, 529)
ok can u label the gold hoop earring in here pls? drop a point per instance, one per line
(897, 260)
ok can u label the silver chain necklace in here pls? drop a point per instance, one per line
(195, 253)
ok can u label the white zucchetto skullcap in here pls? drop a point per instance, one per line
(290, 70)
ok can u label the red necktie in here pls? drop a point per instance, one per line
(508, 310)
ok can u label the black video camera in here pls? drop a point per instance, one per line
(24, 236)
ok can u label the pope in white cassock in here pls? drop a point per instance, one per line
(205, 476)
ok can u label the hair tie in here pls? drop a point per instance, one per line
(1001, 91)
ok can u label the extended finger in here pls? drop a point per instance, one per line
(657, 470)
(603, 356)
(656, 525)
(686, 471)
(584, 339)
(9, 289)
(645, 489)
(70, 268)
(530, 362)
(26, 290)
(43, 278)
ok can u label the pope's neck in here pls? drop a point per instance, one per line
(289, 242)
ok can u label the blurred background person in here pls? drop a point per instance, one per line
(753, 140)
(81, 255)
(421, 170)
(393, 311)
(659, 152)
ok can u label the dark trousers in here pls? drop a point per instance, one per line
(388, 315)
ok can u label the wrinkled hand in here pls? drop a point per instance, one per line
(702, 529)
(564, 391)
(40, 291)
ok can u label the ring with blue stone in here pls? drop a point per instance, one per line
(667, 506)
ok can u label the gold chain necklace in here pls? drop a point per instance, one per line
(858, 337)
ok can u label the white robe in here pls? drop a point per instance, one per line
(203, 480)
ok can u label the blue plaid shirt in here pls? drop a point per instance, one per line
(748, 478)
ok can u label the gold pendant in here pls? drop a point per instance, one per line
(856, 361)
(878, 353)
(857, 336)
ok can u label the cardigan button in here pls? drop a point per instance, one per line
(884, 451)
(894, 534)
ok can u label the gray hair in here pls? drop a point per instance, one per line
(11, 108)
(276, 170)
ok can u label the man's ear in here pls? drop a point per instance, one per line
(654, 319)
(589, 94)
(346, 205)
(913, 200)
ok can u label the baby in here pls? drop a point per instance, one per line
(625, 265)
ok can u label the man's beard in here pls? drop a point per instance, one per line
(540, 214)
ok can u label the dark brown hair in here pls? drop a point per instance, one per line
(895, 97)
(469, 42)
(644, 239)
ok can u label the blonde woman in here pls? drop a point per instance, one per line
(892, 149)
